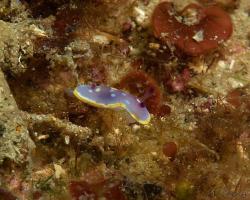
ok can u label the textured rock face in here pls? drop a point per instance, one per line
(9, 45)
(14, 138)
(199, 105)
(15, 45)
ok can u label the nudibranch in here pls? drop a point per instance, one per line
(107, 97)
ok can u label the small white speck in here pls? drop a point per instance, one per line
(135, 128)
(123, 94)
(138, 100)
(98, 89)
(112, 89)
(67, 139)
(199, 36)
(117, 131)
(100, 39)
(140, 15)
(113, 95)
(91, 91)
(127, 101)
(232, 64)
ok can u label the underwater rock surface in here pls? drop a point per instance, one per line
(52, 146)
(15, 143)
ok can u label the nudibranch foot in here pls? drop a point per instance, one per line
(107, 97)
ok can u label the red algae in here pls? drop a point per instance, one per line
(87, 188)
(145, 87)
(6, 195)
(114, 192)
(37, 195)
(170, 150)
(211, 27)
(94, 185)
(164, 111)
(233, 98)
(81, 189)
(239, 98)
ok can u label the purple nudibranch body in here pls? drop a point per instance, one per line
(108, 97)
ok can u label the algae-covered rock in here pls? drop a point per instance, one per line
(15, 142)
(12, 10)
(16, 44)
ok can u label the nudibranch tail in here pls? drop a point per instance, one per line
(108, 97)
